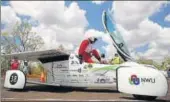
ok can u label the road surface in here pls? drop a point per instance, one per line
(50, 93)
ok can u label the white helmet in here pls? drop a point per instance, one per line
(92, 39)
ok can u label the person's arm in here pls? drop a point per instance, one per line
(83, 47)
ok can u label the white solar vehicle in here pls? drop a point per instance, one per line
(64, 69)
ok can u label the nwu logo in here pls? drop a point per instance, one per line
(134, 80)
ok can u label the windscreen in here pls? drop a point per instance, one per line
(117, 38)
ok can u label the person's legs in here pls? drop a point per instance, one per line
(90, 60)
(87, 58)
(96, 54)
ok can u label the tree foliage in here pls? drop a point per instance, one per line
(166, 63)
(163, 65)
(21, 39)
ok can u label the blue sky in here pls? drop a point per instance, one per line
(93, 13)
(91, 8)
(93, 16)
(96, 10)
(5, 3)
(159, 16)
(95, 22)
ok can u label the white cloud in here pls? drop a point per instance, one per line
(74, 16)
(66, 25)
(133, 21)
(130, 13)
(98, 2)
(9, 18)
(167, 18)
(154, 52)
(58, 24)
(93, 32)
(146, 32)
(110, 51)
(46, 13)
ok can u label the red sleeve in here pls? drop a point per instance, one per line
(83, 46)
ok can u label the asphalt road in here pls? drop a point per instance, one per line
(50, 93)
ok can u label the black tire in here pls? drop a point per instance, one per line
(144, 97)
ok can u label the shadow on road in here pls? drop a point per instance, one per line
(157, 100)
(42, 88)
(55, 89)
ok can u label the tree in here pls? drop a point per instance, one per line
(166, 63)
(21, 39)
(149, 62)
(145, 61)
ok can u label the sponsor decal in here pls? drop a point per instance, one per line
(74, 62)
(134, 80)
(85, 66)
(74, 81)
(81, 75)
(104, 79)
(71, 57)
(79, 70)
(60, 66)
(74, 75)
(90, 66)
(13, 79)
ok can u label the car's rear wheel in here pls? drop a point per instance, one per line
(144, 97)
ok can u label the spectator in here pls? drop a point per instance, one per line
(25, 67)
(116, 59)
(15, 64)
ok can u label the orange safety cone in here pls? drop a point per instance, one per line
(42, 77)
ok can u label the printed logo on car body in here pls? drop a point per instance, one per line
(134, 80)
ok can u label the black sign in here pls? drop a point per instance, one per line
(13, 79)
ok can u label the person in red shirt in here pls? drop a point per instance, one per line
(15, 64)
(86, 52)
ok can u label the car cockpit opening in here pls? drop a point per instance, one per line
(54, 58)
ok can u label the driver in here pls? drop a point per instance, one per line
(86, 52)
